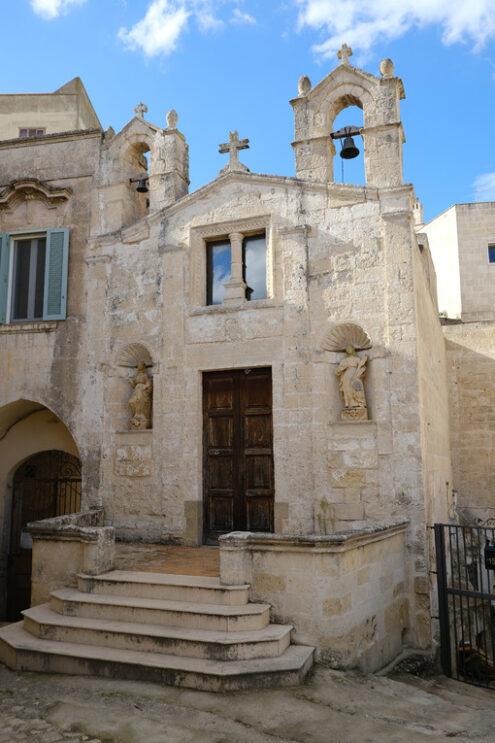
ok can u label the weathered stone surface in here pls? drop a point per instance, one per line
(137, 280)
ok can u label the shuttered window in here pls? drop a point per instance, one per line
(33, 276)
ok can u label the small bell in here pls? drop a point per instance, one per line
(141, 186)
(349, 149)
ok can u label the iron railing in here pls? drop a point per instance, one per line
(466, 602)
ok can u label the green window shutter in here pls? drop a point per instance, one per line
(4, 275)
(57, 259)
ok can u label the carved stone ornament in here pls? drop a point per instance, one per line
(345, 334)
(29, 189)
(304, 85)
(172, 119)
(140, 400)
(351, 372)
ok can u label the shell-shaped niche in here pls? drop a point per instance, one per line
(132, 354)
(345, 334)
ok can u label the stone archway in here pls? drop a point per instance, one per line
(27, 429)
(47, 484)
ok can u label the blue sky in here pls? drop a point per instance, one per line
(234, 64)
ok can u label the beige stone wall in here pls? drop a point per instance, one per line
(336, 253)
(435, 439)
(471, 368)
(443, 242)
(475, 232)
(65, 110)
(459, 240)
(346, 596)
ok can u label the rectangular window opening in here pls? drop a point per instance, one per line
(254, 266)
(491, 254)
(31, 132)
(218, 260)
(28, 278)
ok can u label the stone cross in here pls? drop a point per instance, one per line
(232, 147)
(344, 53)
(140, 110)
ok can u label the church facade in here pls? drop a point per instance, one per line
(260, 358)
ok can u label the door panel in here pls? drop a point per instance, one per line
(238, 456)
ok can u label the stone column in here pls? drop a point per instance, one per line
(236, 287)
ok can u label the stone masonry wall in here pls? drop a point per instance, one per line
(471, 369)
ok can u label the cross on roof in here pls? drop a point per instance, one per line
(141, 109)
(344, 53)
(232, 147)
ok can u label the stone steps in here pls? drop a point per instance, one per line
(46, 624)
(72, 602)
(181, 630)
(24, 652)
(168, 587)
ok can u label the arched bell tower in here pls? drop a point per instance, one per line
(315, 110)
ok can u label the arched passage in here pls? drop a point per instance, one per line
(37, 454)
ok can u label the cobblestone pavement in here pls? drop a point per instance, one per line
(332, 707)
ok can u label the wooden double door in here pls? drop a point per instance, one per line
(238, 451)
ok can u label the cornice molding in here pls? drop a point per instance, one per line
(30, 189)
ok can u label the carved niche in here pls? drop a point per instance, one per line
(351, 371)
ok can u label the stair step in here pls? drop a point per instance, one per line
(70, 602)
(164, 586)
(22, 651)
(269, 642)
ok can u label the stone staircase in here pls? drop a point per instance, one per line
(181, 630)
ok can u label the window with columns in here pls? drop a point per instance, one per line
(236, 269)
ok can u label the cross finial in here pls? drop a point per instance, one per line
(141, 109)
(232, 147)
(344, 53)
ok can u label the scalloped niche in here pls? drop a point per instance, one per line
(341, 335)
(120, 389)
(134, 353)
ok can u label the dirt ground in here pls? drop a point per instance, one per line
(332, 706)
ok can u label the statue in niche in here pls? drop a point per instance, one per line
(351, 372)
(140, 400)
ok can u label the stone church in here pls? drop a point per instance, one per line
(258, 364)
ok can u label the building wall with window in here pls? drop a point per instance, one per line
(462, 243)
(302, 258)
(35, 114)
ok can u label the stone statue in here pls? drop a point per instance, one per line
(351, 372)
(140, 400)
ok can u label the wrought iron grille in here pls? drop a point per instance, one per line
(47, 485)
(466, 602)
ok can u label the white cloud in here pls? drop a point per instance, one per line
(242, 18)
(52, 8)
(363, 23)
(165, 20)
(159, 30)
(484, 187)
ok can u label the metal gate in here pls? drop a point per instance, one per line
(465, 558)
(46, 485)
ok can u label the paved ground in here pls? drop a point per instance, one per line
(332, 707)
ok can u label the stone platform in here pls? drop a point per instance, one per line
(159, 558)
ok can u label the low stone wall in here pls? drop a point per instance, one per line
(67, 545)
(343, 593)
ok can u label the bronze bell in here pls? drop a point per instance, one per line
(349, 149)
(142, 186)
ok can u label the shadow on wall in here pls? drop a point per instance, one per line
(471, 379)
(40, 474)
